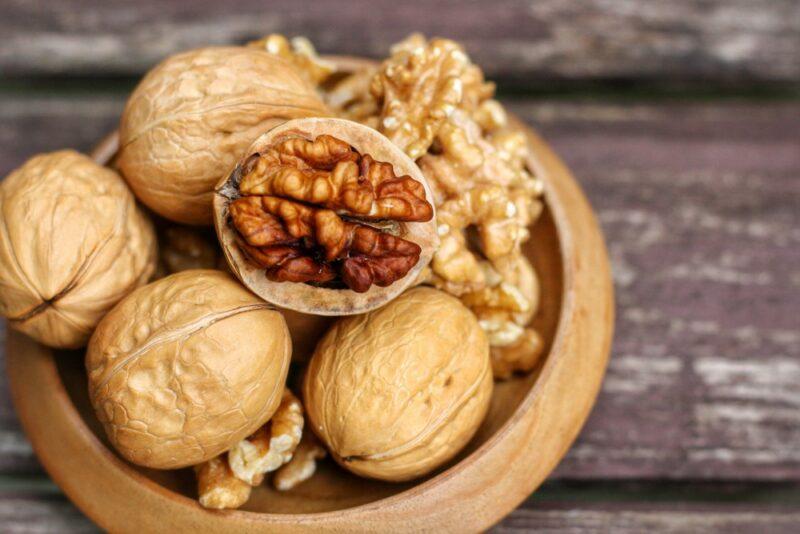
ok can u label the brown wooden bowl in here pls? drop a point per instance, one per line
(531, 423)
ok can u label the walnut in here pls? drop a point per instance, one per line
(397, 392)
(271, 446)
(217, 487)
(296, 243)
(482, 184)
(300, 52)
(329, 173)
(226, 481)
(303, 464)
(193, 115)
(521, 355)
(72, 243)
(184, 248)
(431, 100)
(185, 367)
(418, 87)
(351, 98)
(325, 216)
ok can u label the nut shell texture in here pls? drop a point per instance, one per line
(186, 367)
(191, 118)
(72, 244)
(398, 391)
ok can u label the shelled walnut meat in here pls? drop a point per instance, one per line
(431, 100)
(192, 116)
(72, 243)
(185, 367)
(397, 392)
(325, 216)
(226, 481)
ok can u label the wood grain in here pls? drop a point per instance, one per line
(36, 513)
(698, 203)
(731, 41)
(627, 518)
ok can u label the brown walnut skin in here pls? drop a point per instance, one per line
(192, 116)
(186, 367)
(399, 391)
(72, 243)
(316, 299)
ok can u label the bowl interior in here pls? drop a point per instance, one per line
(333, 488)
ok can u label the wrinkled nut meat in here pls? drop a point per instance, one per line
(323, 177)
(430, 99)
(186, 367)
(271, 446)
(72, 243)
(325, 216)
(192, 116)
(300, 52)
(303, 464)
(226, 481)
(218, 488)
(397, 392)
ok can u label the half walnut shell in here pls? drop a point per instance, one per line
(327, 217)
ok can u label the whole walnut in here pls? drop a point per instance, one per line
(72, 243)
(186, 367)
(192, 116)
(397, 392)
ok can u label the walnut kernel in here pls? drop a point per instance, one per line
(325, 216)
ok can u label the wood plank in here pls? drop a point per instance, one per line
(722, 40)
(698, 202)
(52, 513)
(625, 518)
(42, 514)
(699, 206)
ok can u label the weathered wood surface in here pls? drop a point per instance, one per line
(721, 40)
(42, 514)
(36, 513)
(699, 205)
(626, 518)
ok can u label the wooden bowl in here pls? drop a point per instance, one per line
(531, 423)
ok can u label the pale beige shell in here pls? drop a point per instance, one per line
(397, 392)
(185, 367)
(72, 244)
(190, 119)
(306, 298)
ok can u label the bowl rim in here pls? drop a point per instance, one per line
(555, 193)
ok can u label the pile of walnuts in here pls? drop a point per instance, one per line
(397, 194)
(430, 100)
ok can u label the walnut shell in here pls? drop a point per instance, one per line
(185, 367)
(397, 392)
(72, 243)
(313, 299)
(191, 117)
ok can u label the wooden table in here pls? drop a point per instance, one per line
(690, 156)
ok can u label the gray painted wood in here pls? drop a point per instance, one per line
(729, 41)
(699, 206)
